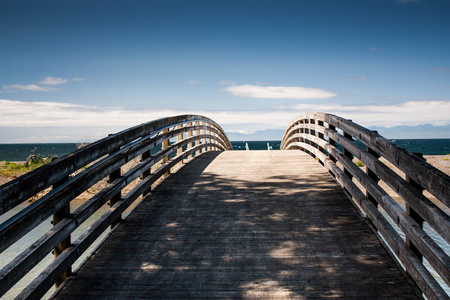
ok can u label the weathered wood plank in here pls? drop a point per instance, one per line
(19, 190)
(45, 280)
(17, 226)
(301, 133)
(434, 254)
(429, 211)
(242, 224)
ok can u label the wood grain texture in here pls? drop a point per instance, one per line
(242, 224)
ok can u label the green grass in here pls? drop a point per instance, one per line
(11, 169)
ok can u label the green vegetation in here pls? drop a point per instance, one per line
(14, 170)
(359, 163)
(445, 159)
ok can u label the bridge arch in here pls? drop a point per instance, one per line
(76, 172)
(424, 191)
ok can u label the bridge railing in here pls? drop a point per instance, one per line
(405, 225)
(73, 174)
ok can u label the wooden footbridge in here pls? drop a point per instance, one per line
(209, 223)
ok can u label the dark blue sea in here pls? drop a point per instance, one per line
(20, 152)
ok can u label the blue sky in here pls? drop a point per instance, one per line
(77, 70)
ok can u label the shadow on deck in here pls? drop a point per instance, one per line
(242, 224)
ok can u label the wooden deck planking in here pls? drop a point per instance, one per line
(242, 224)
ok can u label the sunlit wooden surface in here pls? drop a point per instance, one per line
(242, 224)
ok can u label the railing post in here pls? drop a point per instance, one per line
(213, 141)
(372, 174)
(144, 156)
(58, 216)
(165, 159)
(208, 140)
(180, 149)
(179, 139)
(313, 133)
(301, 131)
(320, 135)
(204, 139)
(198, 141)
(307, 141)
(189, 135)
(332, 142)
(113, 176)
(349, 155)
(412, 213)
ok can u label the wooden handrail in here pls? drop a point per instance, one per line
(104, 157)
(331, 140)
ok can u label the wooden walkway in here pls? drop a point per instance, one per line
(242, 224)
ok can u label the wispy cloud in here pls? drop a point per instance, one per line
(443, 69)
(355, 78)
(227, 82)
(28, 87)
(53, 81)
(192, 81)
(278, 92)
(44, 85)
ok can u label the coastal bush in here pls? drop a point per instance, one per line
(16, 169)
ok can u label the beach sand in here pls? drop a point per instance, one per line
(441, 162)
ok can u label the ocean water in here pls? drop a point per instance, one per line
(20, 152)
(425, 146)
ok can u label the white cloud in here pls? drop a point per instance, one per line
(53, 80)
(435, 112)
(28, 87)
(278, 92)
(192, 81)
(63, 118)
(443, 69)
(355, 78)
(78, 79)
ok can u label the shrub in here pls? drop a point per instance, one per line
(359, 163)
